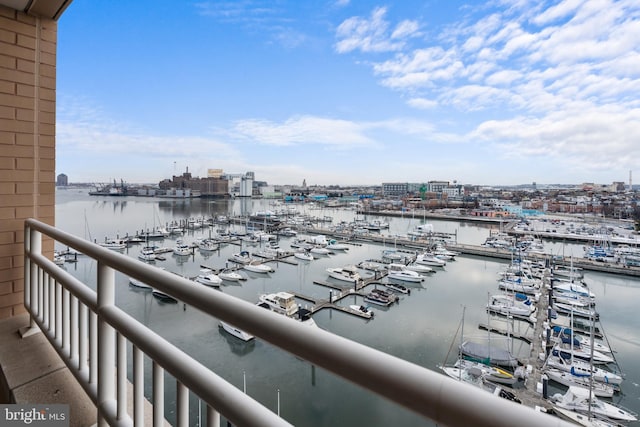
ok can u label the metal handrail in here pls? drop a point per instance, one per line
(421, 390)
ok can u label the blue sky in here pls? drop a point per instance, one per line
(350, 92)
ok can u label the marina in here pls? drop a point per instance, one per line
(428, 315)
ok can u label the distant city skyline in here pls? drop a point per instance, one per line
(350, 93)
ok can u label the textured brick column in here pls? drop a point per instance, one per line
(27, 142)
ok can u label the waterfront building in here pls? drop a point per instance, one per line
(211, 186)
(62, 180)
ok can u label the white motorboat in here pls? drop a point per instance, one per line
(303, 255)
(242, 257)
(114, 244)
(568, 379)
(236, 332)
(230, 275)
(139, 284)
(419, 268)
(147, 254)
(346, 274)
(580, 399)
(319, 250)
(430, 260)
(257, 266)
(181, 249)
(280, 302)
(443, 253)
(399, 272)
(164, 297)
(333, 245)
(366, 311)
(208, 245)
(398, 288)
(209, 278)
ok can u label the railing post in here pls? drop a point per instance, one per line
(32, 245)
(106, 342)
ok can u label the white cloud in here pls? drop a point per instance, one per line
(372, 34)
(422, 103)
(303, 130)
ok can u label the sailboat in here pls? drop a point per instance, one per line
(566, 369)
(477, 372)
(486, 353)
(480, 375)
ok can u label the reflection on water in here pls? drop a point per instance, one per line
(237, 346)
(420, 328)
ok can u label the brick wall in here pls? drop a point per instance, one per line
(27, 142)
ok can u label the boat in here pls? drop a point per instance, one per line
(562, 334)
(583, 419)
(568, 271)
(430, 260)
(566, 349)
(257, 266)
(566, 363)
(333, 245)
(230, 275)
(303, 255)
(378, 299)
(242, 257)
(371, 265)
(491, 373)
(280, 302)
(114, 244)
(208, 245)
(139, 284)
(363, 309)
(164, 297)
(517, 285)
(147, 253)
(398, 288)
(181, 249)
(209, 278)
(399, 272)
(475, 377)
(573, 288)
(443, 253)
(485, 353)
(581, 400)
(346, 274)
(320, 250)
(419, 268)
(599, 389)
(574, 310)
(509, 305)
(236, 332)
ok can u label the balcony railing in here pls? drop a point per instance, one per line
(91, 335)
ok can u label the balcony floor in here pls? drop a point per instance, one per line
(32, 372)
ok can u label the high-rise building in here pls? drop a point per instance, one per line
(62, 180)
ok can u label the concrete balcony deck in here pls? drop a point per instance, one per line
(32, 372)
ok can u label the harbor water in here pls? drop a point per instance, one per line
(423, 327)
